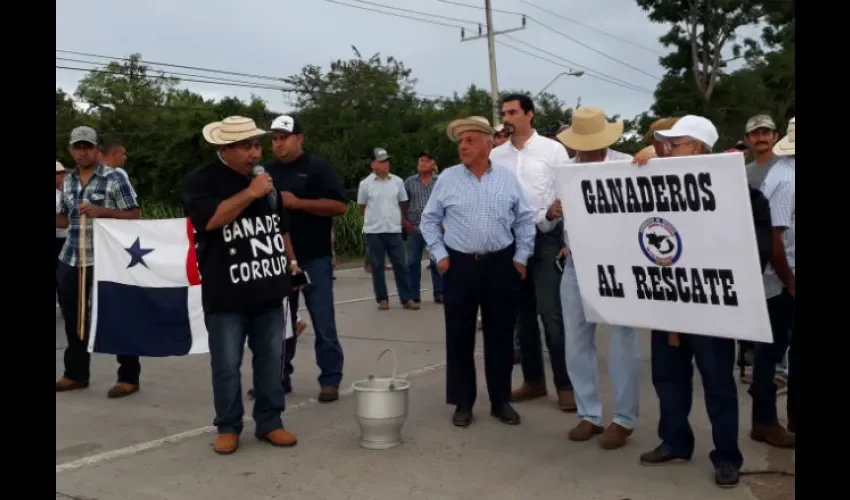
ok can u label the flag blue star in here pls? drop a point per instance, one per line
(137, 254)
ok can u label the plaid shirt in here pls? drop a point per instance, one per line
(106, 188)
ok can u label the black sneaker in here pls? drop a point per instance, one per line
(661, 455)
(727, 476)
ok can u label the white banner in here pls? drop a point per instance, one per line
(669, 246)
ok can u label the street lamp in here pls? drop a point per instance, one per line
(566, 73)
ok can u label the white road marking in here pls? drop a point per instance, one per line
(202, 431)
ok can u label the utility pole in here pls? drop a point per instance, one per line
(491, 50)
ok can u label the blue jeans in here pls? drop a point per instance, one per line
(227, 332)
(581, 358)
(319, 296)
(672, 376)
(415, 247)
(381, 244)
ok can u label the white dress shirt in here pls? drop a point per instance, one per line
(534, 166)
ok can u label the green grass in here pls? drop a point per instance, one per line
(348, 228)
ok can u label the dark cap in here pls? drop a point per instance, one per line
(426, 154)
(286, 124)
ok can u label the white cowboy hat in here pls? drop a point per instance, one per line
(470, 124)
(590, 130)
(230, 130)
(59, 167)
(786, 145)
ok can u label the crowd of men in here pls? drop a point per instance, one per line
(494, 232)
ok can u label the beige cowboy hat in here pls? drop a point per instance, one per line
(59, 167)
(470, 124)
(590, 130)
(786, 145)
(230, 130)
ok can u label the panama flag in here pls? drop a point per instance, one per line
(146, 289)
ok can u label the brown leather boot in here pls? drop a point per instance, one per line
(122, 389)
(774, 435)
(413, 306)
(328, 394)
(584, 431)
(383, 305)
(614, 437)
(527, 392)
(567, 401)
(279, 437)
(300, 326)
(226, 443)
(65, 384)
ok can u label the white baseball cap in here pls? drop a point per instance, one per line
(695, 127)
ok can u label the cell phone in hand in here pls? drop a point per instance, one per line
(560, 262)
(300, 279)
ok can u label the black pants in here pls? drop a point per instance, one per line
(490, 282)
(763, 389)
(77, 357)
(672, 376)
(60, 242)
(794, 373)
(540, 293)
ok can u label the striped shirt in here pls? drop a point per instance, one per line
(105, 188)
(779, 189)
(479, 215)
(417, 196)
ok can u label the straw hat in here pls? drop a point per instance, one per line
(659, 124)
(786, 145)
(59, 167)
(590, 130)
(230, 130)
(470, 124)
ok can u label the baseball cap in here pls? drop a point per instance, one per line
(83, 134)
(426, 154)
(286, 124)
(760, 121)
(380, 154)
(696, 127)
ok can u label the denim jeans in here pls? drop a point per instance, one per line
(415, 247)
(581, 358)
(319, 297)
(763, 389)
(264, 329)
(381, 244)
(672, 377)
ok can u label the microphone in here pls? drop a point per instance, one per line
(272, 196)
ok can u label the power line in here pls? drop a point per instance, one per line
(602, 76)
(213, 82)
(438, 23)
(467, 21)
(624, 40)
(568, 37)
(180, 66)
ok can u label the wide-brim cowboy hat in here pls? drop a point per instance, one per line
(590, 131)
(470, 124)
(231, 130)
(60, 168)
(787, 145)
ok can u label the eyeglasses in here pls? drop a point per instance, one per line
(669, 146)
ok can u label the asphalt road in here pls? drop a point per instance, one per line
(157, 444)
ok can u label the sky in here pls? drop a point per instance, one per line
(277, 38)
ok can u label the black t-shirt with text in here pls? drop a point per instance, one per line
(312, 178)
(243, 265)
